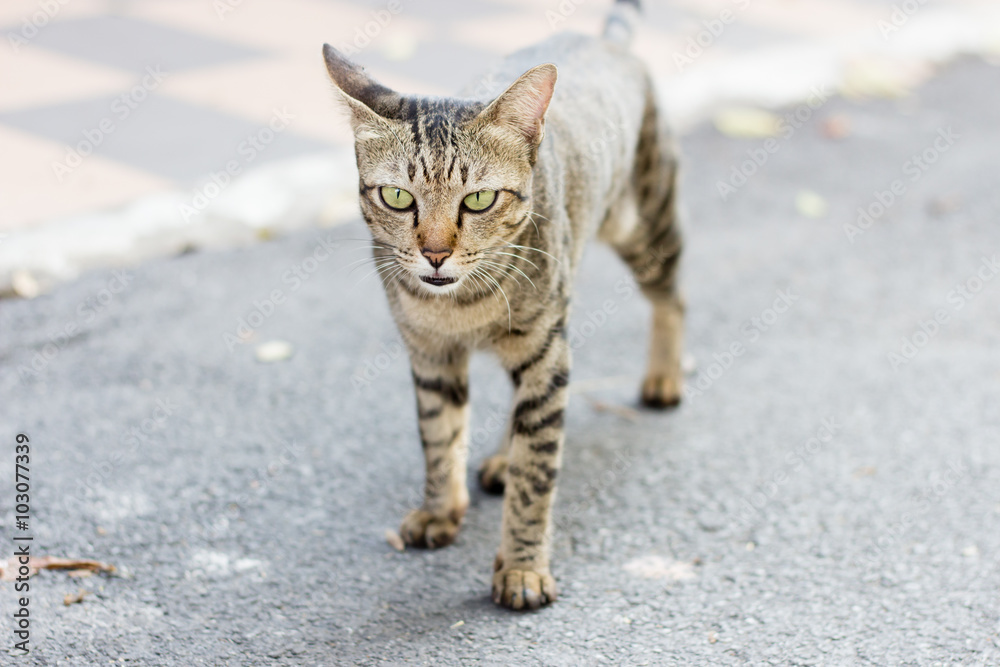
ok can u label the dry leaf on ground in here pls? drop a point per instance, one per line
(620, 410)
(747, 122)
(80, 574)
(9, 569)
(73, 598)
(883, 77)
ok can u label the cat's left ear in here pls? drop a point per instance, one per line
(523, 105)
(370, 102)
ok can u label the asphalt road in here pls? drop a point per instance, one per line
(816, 502)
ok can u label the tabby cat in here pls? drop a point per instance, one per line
(479, 210)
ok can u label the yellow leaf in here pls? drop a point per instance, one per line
(747, 122)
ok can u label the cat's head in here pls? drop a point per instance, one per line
(445, 184)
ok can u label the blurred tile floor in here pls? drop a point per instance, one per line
(103, 102)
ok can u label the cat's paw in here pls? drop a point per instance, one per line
(422, 529)
(661, 391)
(522, 589)
(493, 474)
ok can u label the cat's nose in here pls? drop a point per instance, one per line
(436, 257)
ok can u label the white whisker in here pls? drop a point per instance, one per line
(377, 263)
(528, 247)
(510, 322)
(510, 254)
(476, 272)
(371, 273)
(393, 275)
(367, 259)
(476, 282)
(511, 266)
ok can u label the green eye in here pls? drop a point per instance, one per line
(396, 198)
(480, 201)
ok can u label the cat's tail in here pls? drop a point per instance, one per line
(621, 22)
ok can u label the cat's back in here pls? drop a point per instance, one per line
(598, 79)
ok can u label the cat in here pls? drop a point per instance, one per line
(479, 208)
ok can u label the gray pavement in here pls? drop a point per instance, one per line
(815, 502)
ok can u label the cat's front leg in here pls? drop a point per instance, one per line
(540, 372)
(441, 383)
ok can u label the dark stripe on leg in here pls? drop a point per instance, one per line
(552, 419)
(559, 380)
(456, 394)
(516, 373)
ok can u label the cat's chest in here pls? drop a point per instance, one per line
(474, 322)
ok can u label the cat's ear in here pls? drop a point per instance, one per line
(368, 100)
(522, 106)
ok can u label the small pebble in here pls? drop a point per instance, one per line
(837, 126)
(810, 204)
(274, 350)
(688, 363)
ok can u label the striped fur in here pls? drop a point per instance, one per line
(591, 158)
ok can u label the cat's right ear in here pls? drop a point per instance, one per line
(522, 106)
(367, 99)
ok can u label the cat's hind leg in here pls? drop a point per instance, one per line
(493, 471)
(663, 383)
(653, 250)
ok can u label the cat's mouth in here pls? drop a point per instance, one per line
(438, 280)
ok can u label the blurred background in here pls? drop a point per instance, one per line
(137, 128)
(233, 430)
